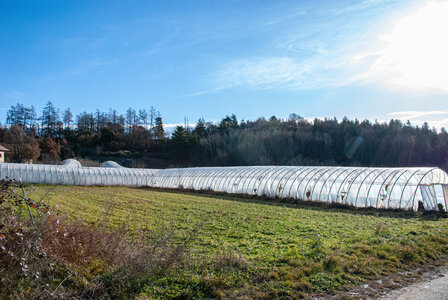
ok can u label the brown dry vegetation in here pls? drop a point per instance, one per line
(42, 255)
(122, 242)
(255, 248)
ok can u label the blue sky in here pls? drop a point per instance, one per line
(374, 59)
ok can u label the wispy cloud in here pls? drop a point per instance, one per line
(16, 95)
(174, 125)
(285, 73)
(199, 93)
(324, 57)
(346, 9)
(318, 55)
(410, 115)
(262, 73)
(436, 118)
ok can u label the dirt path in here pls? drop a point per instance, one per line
(426, 282)
(427, 289)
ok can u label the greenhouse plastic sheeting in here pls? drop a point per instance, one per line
(390, 188)
(71, 174)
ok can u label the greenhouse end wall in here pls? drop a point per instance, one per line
(389, 188)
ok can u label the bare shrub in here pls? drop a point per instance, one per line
(23, 146)
(44, 256)
(50, 150)
(228, 260)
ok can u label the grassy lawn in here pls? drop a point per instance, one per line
(260, 249)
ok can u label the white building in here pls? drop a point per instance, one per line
(2, 153)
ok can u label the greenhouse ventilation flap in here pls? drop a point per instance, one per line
(389, 188)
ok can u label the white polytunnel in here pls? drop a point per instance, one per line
(70, 173)
(71, 163)
(389, 188)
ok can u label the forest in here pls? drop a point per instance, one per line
(137, 138)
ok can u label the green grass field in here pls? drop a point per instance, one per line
(261, 249)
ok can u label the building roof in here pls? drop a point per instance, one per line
(3, 148)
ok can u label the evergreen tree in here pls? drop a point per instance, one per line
(200, 128)
(49, 120)
(180, 135)
(159, 132)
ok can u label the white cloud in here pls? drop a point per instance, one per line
(412, 114)
(281, 72)
(262, 72)
(174, 125)
(435, 118)
(410, 56)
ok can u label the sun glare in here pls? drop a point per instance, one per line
(416, 55)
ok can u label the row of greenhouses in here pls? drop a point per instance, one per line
(393, 188)
(389, 188)
(70, 172)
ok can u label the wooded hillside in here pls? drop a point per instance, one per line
(140, 136)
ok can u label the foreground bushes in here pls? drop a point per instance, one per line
(42, 255)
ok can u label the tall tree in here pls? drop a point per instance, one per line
(49, 120)
(143, 117)
(15, 115)
(152, 116)
(200, 128)
(180, 135)
(30, 117)
(100, 120)
(67, 118)
(22, 116)
(131, 119)
(159, 132)
(85, 122)
(228, 122)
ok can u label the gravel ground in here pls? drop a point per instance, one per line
(429, 288)
(427, 282)
(436, 289)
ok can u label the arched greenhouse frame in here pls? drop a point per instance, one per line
(388, 188)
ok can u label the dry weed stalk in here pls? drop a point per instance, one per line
(42, 255)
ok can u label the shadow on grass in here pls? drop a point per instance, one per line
(309, 205)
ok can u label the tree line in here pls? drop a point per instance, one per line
(52, 122)
(56, 135)
(293, 141)
(296, 141)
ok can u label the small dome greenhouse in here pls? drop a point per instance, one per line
(389, 188)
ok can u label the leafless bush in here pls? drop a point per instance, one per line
(44, 256)
(229, 260)
(21, 254)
